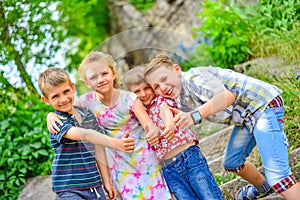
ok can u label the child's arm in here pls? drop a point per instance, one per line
(152, 132)
(218, 103)
(103, 168)
(167, 117)
(125, 144)
(53, 118)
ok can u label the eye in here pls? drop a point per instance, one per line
(67, 91)
(137, 92)
(54, 97)
(155, 87)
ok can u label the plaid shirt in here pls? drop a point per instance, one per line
(252, 96)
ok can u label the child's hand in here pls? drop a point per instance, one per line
(182, 119)
(51, 119)
(168, 132)
(111, 191)
(152, 134)
(126, 143)
(167, 117)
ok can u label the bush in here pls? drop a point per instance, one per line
(24, 145)
(276, 30)
(226, 26)
(239, 33)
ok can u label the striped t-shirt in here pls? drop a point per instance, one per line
(252, 96)
(74, 165)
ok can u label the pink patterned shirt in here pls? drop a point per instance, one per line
(181, 136)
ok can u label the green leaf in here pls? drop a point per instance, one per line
(43, 152)
(23, 170)
(10, 162)
(36, 145)
(2, 177)
(25, 150)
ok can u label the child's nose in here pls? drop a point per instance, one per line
(100, 79)
(143, 93)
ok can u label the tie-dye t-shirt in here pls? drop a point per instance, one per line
(137, 175)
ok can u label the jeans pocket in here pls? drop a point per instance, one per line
(279, 113)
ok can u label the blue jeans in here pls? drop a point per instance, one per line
(271, 141)
(88, 194)
(188, 176)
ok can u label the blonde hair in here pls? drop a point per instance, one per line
(96, 56)
(158, 61)
(52, 77)
(134, 76)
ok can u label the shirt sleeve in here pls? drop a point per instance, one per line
(63, 130)
(205, 84)
(170, 102)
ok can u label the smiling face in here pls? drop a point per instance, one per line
(61, 97)
(166, 81)
(144, 92)
(100, 77)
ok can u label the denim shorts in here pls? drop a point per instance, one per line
(271, 141)
(188, 176)
(88, 194)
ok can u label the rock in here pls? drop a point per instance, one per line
(38, 188)
(270, 65)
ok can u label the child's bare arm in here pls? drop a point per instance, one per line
(103, 168)
(125, 144)
(152, 132)
(167, 116)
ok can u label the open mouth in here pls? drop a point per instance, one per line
(169, 92)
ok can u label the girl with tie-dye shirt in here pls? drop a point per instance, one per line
(135, 175)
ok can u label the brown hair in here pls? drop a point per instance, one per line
(134, 76)
(158, 61)
(96, 56)
(52, 77)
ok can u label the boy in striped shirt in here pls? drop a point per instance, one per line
(75, 173)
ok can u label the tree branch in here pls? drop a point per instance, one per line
(15, 54)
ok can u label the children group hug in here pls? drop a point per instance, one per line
(137, 143)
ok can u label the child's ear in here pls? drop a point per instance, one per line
(177, 68)
(73, 87)
(87, 85)
(45, 100)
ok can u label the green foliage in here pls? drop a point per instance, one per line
(24, 141)
(277, 30)
(278, 14)
(239, 33)
(221, 179)
(86, 26)
(142, 5)
(291, 96)
(29, 34)
(225, 25)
